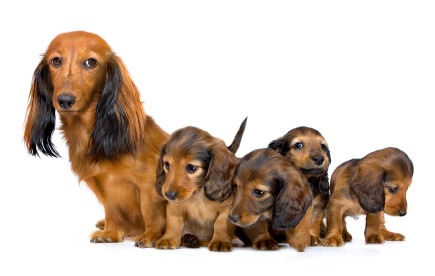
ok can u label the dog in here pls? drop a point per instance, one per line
(113, 144)
(372, 185)
(308, 151)
(268, 188)
(194, 175)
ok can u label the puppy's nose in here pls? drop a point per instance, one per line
(171, 195)
(234, 218)
(402, 213)
(66, 101)
(318, 160)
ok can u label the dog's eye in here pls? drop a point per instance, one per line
(258, 193)
(298, 145)
(191, 168)
(56, 62)
(393, 190)
(167, 166)
(324, 147)
(90, 63)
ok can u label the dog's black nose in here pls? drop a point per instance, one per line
(66, 101)
(318, 160)
(402, 213)
(171, 195)
(234, 218)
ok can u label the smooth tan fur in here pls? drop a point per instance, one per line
(308, 151)
(373, 185)
(113, 145)
(270, 189)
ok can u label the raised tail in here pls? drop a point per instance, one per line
(238, 138)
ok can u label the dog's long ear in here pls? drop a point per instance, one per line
(280, 145)
(368, 186)
(292, 202)
(238, 138)
(120, 117)
(218, 181)
(40, 117)
(160, 172)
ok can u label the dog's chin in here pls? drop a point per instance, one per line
(313, 172)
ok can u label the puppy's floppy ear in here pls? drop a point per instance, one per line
(280, 145)
(218, 181)
(119, 116)
(41, 116)
(324, 183)
(292, 202)
(368, 185)
(160, 172)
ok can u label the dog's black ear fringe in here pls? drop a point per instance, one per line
(110, 137)
(45, 120)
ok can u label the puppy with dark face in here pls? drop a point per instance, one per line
(373, 185)
(269, 189)
(308, 151)
(194, 175)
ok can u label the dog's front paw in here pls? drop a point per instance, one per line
(376, 238)
(391, 236)
(106, 236)
(333, 241)
(299, 242)
(266, 244)
(220, 246)
(167, 244)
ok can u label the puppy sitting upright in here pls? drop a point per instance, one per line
(270, 189)
(373, 185)
(308, 151)
(194, 174)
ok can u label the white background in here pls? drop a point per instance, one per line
(361, 72)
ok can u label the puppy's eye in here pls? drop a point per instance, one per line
(56, 62)
(324, 147)
(298, 145)
(167, 166)
(90, 63)
(191, 168)
(393, 190)
(258, 193)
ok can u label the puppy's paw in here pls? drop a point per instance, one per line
(347, 237)
(299, 243)
(266, 244)
(333, 241)
(166, 244)
(376, 238)
(146, 240)
(315, 241)
(106, 236)
(220, 246)
(190, 241)
(391, 236)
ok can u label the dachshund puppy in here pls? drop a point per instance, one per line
(113, 144)
(269, 188)
(194, 174)
(308, 151)
(373, 185)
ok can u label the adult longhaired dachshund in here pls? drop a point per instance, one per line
(194, 175)
(308, 151)
(113, 145)
(373, 185)
(269, 188)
